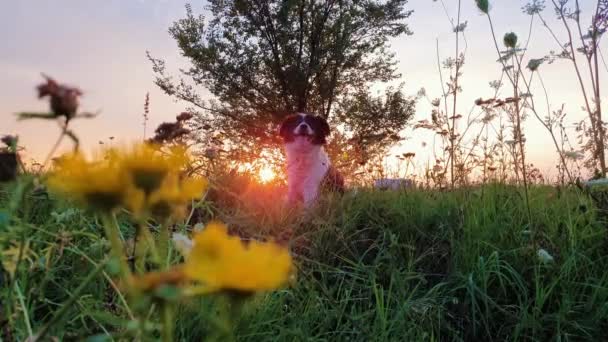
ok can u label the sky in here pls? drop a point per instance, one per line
(100, 46)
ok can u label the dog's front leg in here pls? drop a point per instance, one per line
(310, 194)
(294, 195)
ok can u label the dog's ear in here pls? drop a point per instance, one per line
(321, 129)
(323, 125)
(286, 126)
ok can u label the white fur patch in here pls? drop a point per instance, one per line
(307, 165)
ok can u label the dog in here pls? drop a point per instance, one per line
(309, 169)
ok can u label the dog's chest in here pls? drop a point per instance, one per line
(307, 168)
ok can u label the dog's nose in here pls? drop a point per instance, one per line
(302, 129)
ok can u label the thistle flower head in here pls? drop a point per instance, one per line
(64, 99)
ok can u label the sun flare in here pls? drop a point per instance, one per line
(266, 174)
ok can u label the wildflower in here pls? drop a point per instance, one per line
(510, 40)
(64, 99)
(421, 92)
(172, 197)
(169, 131)
(148, 167)
(533, 64)
(544, 256)
(461, 27)
(221, 262)
(97, 184)
(488, 118)
(483, 5)
(534, 7)
(182, 243)
(184, 116)
(574, 155)
(10, 141)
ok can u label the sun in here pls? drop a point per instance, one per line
(266, 174)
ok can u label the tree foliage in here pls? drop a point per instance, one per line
(261, 60)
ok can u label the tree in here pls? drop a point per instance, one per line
(263, 59)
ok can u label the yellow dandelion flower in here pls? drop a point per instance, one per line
(173, 196)
(222, 262)
(148, 167)
(98, 184)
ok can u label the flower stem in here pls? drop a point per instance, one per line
(168, 328)
(111, 230)
(163, 245)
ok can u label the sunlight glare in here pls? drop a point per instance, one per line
(266, 174)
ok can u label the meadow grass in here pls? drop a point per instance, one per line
(421, 265)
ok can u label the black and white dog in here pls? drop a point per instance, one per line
(309, 169)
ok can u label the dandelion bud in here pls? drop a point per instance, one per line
(483, 5)
(510, 40)
(533, 64)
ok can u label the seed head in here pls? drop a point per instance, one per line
(483, 5)
(510, 40)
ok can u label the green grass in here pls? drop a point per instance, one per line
(373, 266)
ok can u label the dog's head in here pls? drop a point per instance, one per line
(311, 128)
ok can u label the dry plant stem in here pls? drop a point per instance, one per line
(453, 130)
(594, 76)
(599, 147)
(519, 139)
(521, 146)
(445, 102)
(546, 125)
(533, 109)
(54, 148)
(68, 305)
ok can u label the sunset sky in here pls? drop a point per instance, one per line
(100, 46)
